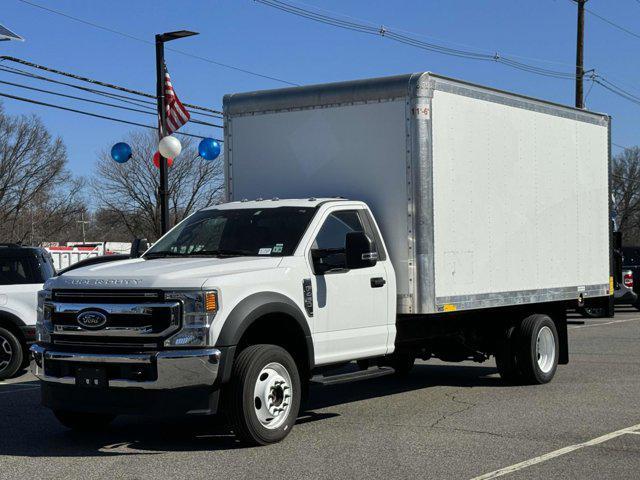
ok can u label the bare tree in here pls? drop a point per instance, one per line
(38, 196)
(626, 193)
(130, 190)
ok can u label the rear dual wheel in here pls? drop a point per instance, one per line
(530, 351)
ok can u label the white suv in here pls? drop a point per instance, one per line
(23, 270)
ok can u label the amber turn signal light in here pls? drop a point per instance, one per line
(210, 302)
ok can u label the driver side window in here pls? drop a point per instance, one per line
(328, 249)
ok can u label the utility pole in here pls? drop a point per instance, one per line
(163, 189)
(83, 222)
(580, 55)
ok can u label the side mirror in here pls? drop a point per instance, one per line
(360, 251)
(138, 247)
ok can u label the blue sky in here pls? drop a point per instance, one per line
(249, 35)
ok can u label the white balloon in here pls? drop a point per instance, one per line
(169, 147)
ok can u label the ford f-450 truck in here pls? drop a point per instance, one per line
(376, 221)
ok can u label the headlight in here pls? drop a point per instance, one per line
(199, 308)
(44, 326)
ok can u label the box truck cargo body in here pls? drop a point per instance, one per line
(485, 198)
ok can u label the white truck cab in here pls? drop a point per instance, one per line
(311, 274)
(477, 218)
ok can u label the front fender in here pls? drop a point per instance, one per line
(247, 311)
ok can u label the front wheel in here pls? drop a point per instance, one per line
(83, 422)
(11, 354)
(263, 397)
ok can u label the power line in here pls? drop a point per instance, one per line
(149, 42)
(613, 88)
(612, 23)
(412, 41)
(96, 102)
(138, 102)
(355, 25)
(91, 114)
(96, 82)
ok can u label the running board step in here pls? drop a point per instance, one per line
(351, 376)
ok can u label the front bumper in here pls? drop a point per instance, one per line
(163, 370)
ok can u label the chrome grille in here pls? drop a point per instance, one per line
(135, 318)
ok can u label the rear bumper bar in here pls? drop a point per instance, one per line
(173, 368)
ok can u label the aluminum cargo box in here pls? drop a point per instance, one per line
(485, 198)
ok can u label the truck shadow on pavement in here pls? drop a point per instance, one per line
(29, 430)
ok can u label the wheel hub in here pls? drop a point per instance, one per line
(6, 353)
(545, 349)
(272, 395)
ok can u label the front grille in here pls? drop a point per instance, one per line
(134, 318)
(154, 319)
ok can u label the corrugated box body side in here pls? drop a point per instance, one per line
(520, 199)
(348, 139)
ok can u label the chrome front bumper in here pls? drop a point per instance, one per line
(175, 368)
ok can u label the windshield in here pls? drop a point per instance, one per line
(246, 231)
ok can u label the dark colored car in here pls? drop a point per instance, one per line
(631, 261)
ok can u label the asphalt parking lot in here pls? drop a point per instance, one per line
(444, 421)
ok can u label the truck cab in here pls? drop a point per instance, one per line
(238, 304)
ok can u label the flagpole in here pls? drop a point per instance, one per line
(163, 189)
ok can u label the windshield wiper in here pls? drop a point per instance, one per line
(224, 253)
(151, 255)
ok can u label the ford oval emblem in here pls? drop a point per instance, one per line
(91, 320)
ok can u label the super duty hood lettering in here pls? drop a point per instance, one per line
(90, 282)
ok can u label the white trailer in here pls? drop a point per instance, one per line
(485, 198)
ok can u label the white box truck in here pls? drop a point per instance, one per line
(376, 221)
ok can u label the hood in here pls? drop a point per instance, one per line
(172, 272)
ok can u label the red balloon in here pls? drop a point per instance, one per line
(156, 160)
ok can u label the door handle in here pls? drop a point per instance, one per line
(378, 282)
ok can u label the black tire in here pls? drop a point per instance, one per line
(11, 354)
(84, 422)
(593, 312)
(506, 357)
(241, 403)
(402, 363)
(527, 354)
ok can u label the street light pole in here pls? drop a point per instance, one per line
(580, 54)
(163, 189)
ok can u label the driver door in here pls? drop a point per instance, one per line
(351, 304)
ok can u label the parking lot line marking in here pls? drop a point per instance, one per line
(18, 390)
(557, 453)
(605, 323)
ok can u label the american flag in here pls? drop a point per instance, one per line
(176, 114)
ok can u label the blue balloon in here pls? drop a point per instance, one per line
(209, 149)
(121, 152)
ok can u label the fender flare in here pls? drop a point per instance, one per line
(250, 309)
(11, 318)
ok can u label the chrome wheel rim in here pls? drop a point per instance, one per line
(545, 349)
(272, 395)
(6, 353)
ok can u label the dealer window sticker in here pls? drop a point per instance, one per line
(264, 251)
